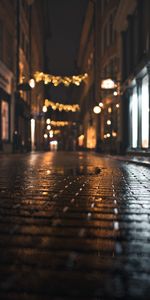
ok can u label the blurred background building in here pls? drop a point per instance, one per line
(115, 45)
(132, 22)
(112, 47)
(21, 52)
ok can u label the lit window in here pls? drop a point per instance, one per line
(5, 120)
(145, 112)
(134, 117)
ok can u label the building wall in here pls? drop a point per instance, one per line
(7, 68)
(20, 37)
(86, 62)
(109, 68)
(132, 22)
(99, 56)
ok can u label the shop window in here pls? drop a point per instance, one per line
(5, 120)
(134, 118)
(91, 138)
(145, 113)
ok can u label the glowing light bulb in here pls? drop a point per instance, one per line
(44, 109)
(32, 83)
(115, 93)
(45, 136)
(108, 122)
(96, 109)
(48, 127)
(48, 121)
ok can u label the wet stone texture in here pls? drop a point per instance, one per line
(73, 226)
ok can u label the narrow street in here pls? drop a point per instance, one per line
(73, 226)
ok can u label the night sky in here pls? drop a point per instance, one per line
(66, 20)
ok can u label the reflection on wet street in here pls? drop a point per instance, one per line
(73, 226)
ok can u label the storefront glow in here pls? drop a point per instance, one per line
(115, 93)
(32, 134)
(5, 120)
(108, 122)
(109, 110)
(134, 114)
(51, 134)
(145, 112)
(108, 84)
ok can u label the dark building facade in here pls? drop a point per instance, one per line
(6, 73)
(99, 57)
(133, 23)
(20, 34)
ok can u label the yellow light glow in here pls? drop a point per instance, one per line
(48, 121)
(33, 134)
(108, 122)
(117, 105)
(108, 135)
(54, 143)
(32, 83)
(44, 109)
(60, 106)
(45, 135)
(96, 109)
(114, 134)
(108, 84)
(48, 127)
(81, 140)
(115, 93)
(51, 134)
(61, 123)
(91, 137)
(109, 110)
(56, 80)
(101, 104)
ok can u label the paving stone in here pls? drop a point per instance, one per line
(73, 226)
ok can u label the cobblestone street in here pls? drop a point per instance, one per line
(73, 226)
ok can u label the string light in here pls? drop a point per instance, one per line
(56, 80)
(44, 109)
(97, 109)
(48, 121)
(108, 122)
(48, 127)
(45, 135)
(51, 134)
(61, 107)
(61, 123)
(32, 83)
(114, 134)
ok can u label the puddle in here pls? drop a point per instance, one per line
(77, 171)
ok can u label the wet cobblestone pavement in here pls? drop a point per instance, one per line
(73, 226)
